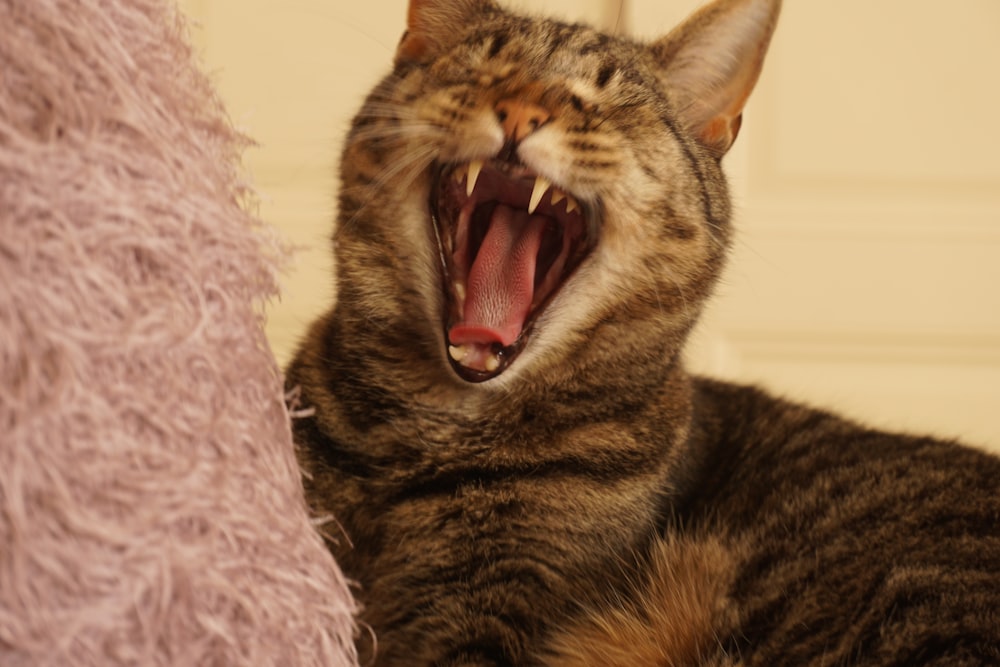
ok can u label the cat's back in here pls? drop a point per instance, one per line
(855, 546)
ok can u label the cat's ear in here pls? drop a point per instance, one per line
(432, 25)
(710, 63)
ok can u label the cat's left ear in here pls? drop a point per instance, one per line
(710, 63)
(432, 26)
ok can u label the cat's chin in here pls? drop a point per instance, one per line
(508, 240)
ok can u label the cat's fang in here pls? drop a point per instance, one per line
(542, 185)
(459, 288)
(457, 352)
(475, 167)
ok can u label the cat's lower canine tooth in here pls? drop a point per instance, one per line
(459, 288)
(475, 167)
(542, 184)
(491, 363)
(457, 352)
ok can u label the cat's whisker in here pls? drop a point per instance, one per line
(401, 173)
(717, 235)
(392, 111)
(407, 131)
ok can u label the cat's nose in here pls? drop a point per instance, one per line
(519, 118)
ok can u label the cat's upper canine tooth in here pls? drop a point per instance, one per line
(542, 185)
(475, 167)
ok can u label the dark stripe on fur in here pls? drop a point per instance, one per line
(697, 171)
(625, 465)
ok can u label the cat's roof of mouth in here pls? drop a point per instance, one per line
(514, 185)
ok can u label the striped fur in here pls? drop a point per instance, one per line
(593, 504)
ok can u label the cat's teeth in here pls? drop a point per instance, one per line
(459, 288)
(491, 363)
(542, 184)
(463, 353)
(557, 196)
(571, 204)
(475, 167)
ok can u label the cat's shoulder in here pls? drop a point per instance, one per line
(751, 431)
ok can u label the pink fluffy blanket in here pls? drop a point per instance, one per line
(151, 511)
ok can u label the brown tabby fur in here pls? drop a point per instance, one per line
(594, 504)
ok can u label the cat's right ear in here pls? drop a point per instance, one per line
(710, 63)
(432, 26)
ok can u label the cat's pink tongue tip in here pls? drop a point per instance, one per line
(463, 334)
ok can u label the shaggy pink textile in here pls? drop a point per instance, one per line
(151, 510)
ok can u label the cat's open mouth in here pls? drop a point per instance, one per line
(508, 240)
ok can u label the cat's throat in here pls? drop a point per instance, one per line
(508, 241)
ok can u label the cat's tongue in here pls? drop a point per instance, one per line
(501, 280)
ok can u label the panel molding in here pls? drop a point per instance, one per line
(893, 347)
(858, 218)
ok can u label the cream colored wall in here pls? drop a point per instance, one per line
(866, 178)
(867, 182)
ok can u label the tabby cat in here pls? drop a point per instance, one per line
(521, 471)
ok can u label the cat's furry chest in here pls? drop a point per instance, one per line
(469, 532)
(490, 480)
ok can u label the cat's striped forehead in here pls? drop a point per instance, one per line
(587, 63)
